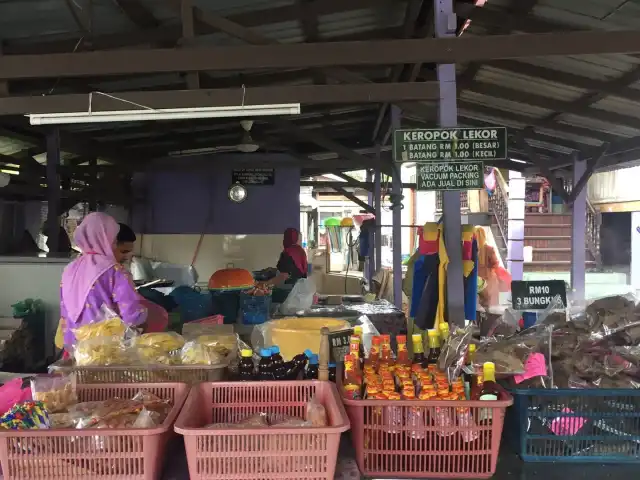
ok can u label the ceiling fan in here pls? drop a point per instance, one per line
(245, 145)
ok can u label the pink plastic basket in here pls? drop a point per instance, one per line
(93, 454)
(427, 439)
(111, 374)
(269, 452)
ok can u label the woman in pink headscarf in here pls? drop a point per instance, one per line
(95, 279)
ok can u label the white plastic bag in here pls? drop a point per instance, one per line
(300, 298)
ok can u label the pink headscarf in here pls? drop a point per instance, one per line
(95, 238)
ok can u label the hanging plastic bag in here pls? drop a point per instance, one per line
(490, 181)
(300, 298)
(13, 392)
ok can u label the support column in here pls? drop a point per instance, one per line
(515, 227)
(93, 169)
(578, 233)
(635, 251)
(445, 27)
(396, 182)
(377, 196)
(53, 190)
(371, 261)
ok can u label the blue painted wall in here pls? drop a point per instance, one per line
(195, 201)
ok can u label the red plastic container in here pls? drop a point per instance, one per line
(427, 438)
(268, 452)
(91, 454)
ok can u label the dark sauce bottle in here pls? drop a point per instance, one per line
(279, 368)
(313, 368)
(265, 367)
(246, 367)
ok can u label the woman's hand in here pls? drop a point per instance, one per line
(278, 279)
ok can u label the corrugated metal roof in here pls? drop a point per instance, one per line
(517, 81)
(11, 146)
(221, 7)
(599, 67)
(506, 105)
(598, 125)
(623, 106)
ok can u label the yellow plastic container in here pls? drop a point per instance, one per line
(295, 334)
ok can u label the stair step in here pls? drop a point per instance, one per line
(547, 237)
(551, 230)
(553, 249)
(538, 214)
(554, 266)
(546, 219)
(556, 262)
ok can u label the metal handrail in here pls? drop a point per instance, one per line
(499, 206)
(593, 221)
(501, 180)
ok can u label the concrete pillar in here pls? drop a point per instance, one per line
(515, 242)
(578, 233)
(445, 26)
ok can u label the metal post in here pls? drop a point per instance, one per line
(445, 26)
(93, 168)
(371, 262)
(515, 214)
(635, 251)
(578, 234)
(53, 190)
(377, 195)
(396, 182)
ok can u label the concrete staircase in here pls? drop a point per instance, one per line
(549, 235)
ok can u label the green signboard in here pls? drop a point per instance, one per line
(451, 144)
(450, 176)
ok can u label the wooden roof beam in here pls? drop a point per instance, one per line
(319, 55)
(304, 94)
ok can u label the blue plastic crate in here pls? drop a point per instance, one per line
(227, 304)
(592, 425)
(255, 309)
(192, 303)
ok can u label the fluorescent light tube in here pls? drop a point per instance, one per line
(164, 114)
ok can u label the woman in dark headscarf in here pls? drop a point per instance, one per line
(292, 264)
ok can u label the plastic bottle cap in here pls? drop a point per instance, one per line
(472, 347)
(275, 350)
(444, 327)
(314, 360)
(265, 352)
(308, 353)
(246, 352)
(332, 365)
(432, 333)
(416, 337)
(357, 330)
(490, 366)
